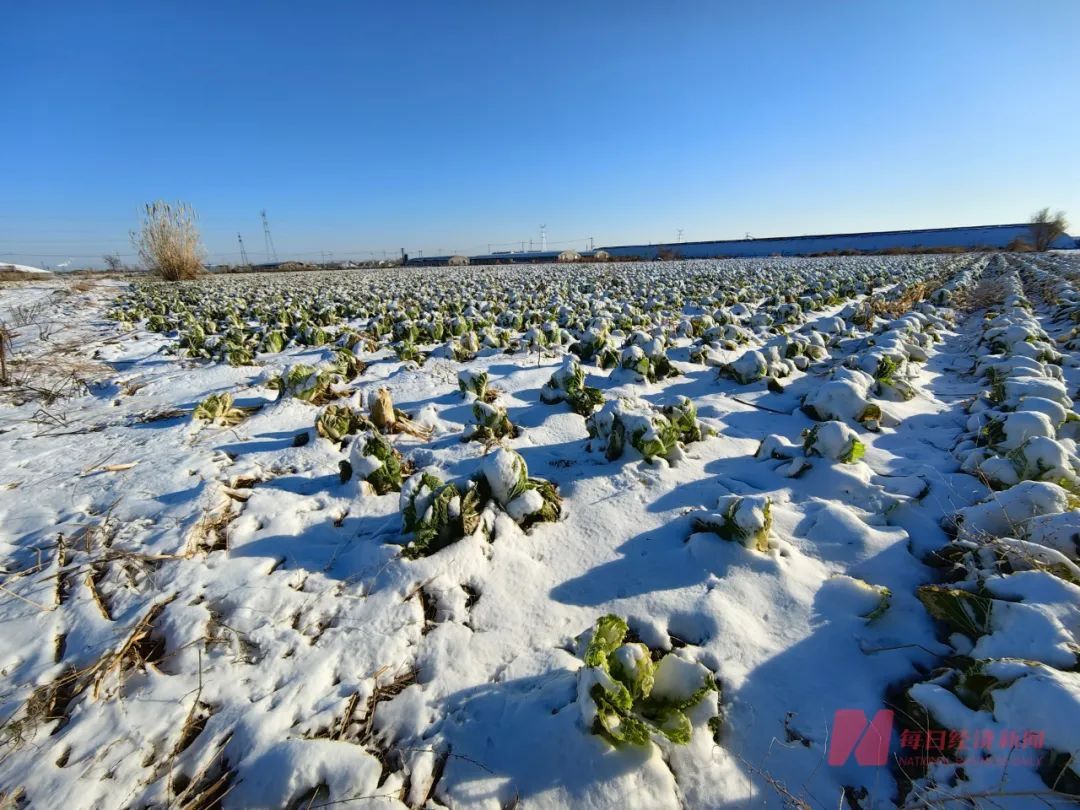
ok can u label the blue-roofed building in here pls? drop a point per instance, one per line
(979, 237)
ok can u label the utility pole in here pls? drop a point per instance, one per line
(271, 252)
(243, 253)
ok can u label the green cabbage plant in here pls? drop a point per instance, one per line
(437, 514)
(744, 519)
(374, 460)
(567, 384)
(307, 383)
(219, 409)
(490, 424)
(336, 422)
(652, 431)
(628, 698)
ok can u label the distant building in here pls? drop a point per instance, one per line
(979, 237)
(929, 240)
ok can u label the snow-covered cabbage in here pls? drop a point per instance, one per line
(744, 519)
(437, 514)
(1006, 513)
(648, 430)
(567, 384)
(219, 409)
(490, 423)
(835, 441)
(336, 422)
(307, 383)
(373, 459)
(843, 399)
(527, 500)
(627, 698)
(473, 382)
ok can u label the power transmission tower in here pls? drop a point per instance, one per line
(679, 236)
(543, 237)
(243, 253)
(271, 252)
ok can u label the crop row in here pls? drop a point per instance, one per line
(1010, 574)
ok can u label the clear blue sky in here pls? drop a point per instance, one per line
(364, 126)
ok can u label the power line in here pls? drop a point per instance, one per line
(271, 253)
(243, 253)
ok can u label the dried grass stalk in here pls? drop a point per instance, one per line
(168, 241)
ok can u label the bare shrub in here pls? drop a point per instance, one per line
(1046, 227)
(168, 241)
(27, 314)
(113, 263)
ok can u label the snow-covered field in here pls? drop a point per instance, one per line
(343, 539)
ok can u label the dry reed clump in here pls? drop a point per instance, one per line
(168, 241)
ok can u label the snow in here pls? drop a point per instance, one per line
(302, 606)
(525, 504)
(834, 440)
(503, 469)
(1009, 511)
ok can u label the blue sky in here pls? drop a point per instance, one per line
(362, 127)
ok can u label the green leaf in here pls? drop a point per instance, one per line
(631, 665)
(608, 634)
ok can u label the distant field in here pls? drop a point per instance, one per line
(606, 536)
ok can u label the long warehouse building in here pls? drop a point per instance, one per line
(980, 237)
